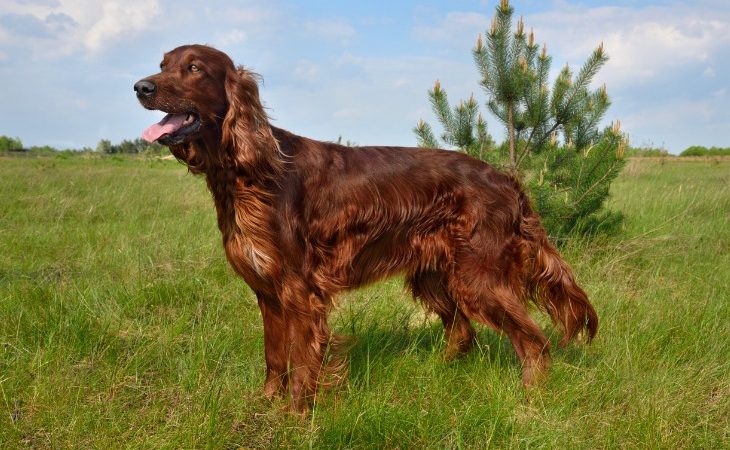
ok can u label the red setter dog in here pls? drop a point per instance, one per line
(303, 219)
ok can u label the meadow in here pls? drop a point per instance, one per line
(122, 326)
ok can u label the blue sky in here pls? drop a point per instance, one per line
(359, 70)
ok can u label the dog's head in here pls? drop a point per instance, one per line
(213, 109)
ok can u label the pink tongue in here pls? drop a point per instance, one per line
(169, 124)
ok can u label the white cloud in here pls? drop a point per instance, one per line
(119, 19)
(376, 21)
(709, 72)
(56, 29)
(459, 27)
(306, 71)
(641, 43)
(330, 29)
(248, 15)
(348, 113)
(232, 37)
(719, 93)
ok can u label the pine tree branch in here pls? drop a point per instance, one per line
(586, 74)
(600, 181)
(425, 136)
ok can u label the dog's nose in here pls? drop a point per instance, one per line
(144, 88)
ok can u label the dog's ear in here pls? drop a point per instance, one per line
(246, 138)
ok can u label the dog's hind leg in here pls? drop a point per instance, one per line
(482, 298)
(430, 288)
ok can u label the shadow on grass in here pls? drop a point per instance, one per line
(383, 345)
(380, 347)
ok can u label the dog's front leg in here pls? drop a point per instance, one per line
(307, 337)
(275, 338)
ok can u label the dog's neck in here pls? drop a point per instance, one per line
(252, 153)
(242, 178)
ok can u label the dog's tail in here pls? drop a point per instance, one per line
(551, 281)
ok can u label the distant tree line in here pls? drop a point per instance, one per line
(694, 150)
(138, 145)
(105, 146)
(698, 150)
(646, 151)
(8, 144)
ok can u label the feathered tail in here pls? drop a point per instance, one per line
(552, 283)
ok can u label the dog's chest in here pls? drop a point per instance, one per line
(247, 256)
(244, 219)
(249, 241)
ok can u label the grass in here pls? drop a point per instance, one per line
(123, 327)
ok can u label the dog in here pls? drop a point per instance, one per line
(302, 220)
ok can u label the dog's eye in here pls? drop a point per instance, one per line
(193, 68)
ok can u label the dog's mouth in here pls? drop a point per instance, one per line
(173, 128)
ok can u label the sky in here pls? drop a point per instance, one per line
(360, 70)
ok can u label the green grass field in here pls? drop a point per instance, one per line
(123, 327)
